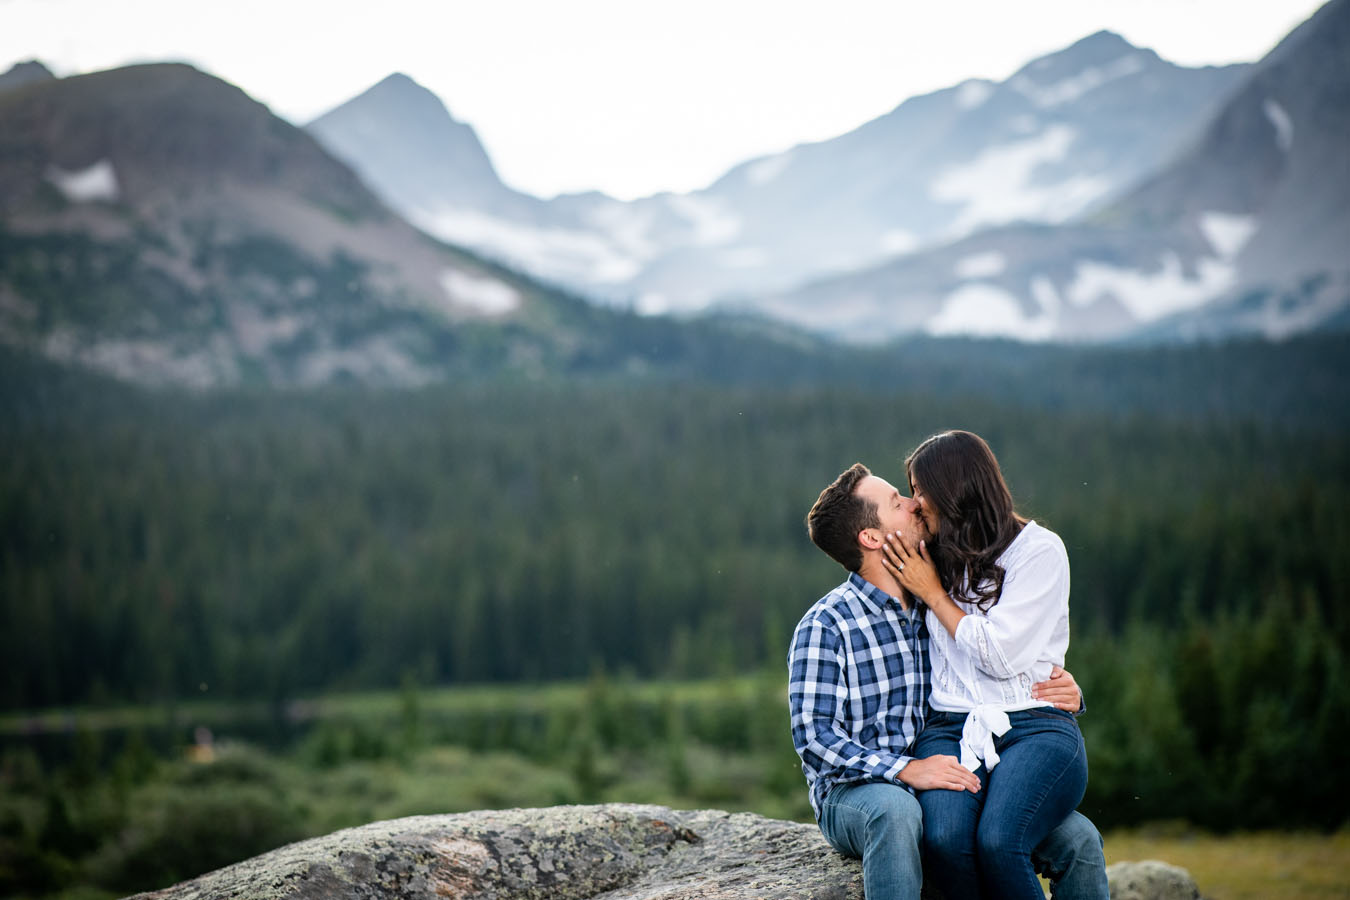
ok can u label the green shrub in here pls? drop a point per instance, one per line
(176, 832)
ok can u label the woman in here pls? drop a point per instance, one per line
(997, 590)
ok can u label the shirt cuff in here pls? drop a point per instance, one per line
(893, 773)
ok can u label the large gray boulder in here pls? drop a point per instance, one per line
(615, 851)
(612, 851)
(1150, 880)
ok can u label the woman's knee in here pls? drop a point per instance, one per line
(945, 836)
(995, 841)
(949, 827)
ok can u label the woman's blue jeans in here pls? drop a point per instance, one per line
(882, 824)
(979, 845)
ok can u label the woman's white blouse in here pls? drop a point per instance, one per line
(988, 668)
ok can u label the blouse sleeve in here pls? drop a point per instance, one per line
(1014, 633)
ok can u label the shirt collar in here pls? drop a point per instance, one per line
(873, 595)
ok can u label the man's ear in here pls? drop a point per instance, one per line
(870, 539)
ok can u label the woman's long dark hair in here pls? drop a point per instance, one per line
(960, 478)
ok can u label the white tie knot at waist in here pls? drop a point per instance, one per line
(984, 723)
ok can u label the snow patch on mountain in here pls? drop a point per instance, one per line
(1069, 89)
(1151, 295)
(552, 252)
(1280, 121)
(713, 222)
(627, 225)
(744, 258)
(1227, 233)
(980, 265)
(897, 241)
(652, 303)
(767, 169)
(97, 182)
(988, 311)
(999, 186)
(973, 93)
(480, 293)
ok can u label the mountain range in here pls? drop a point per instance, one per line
(1064, 132)
(895, 227)
(159, 224)
(1246, 230)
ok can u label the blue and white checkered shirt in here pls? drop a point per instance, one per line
(858, 683)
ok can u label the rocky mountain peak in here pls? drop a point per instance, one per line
(1103, 48)
(164, 126)
(403, 140)
(408, 95)
(22, 73)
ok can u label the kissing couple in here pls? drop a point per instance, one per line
(930, 707)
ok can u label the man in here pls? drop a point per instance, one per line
(858, 691)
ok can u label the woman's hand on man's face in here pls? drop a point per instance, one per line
(912, 567)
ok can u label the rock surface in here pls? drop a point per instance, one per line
(613, 852)
(609, 852)
(1150, 880)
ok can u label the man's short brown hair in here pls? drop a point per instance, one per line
(839, 514)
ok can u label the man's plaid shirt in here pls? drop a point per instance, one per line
(858, 684)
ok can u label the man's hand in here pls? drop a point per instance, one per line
(1061, 691)
(939, 773)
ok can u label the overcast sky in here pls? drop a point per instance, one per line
(626, 96)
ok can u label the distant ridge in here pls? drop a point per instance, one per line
(433, 169)
(23, 73)
(1066, 133)
(1244, 230)
(408, 146)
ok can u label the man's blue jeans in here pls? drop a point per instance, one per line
(981, 845)
(882, 824)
